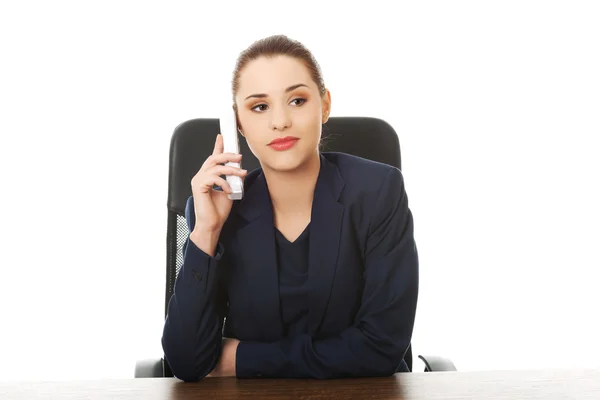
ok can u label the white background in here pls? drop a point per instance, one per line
(497, 105)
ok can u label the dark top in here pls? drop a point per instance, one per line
(292, 261)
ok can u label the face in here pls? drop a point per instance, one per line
(281, 112)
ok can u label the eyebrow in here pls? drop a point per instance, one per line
(262, 95)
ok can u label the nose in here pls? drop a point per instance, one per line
(280, 118)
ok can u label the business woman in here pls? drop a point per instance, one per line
(314, 273)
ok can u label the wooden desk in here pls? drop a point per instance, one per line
(547, 385)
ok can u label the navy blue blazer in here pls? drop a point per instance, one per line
(363, 282)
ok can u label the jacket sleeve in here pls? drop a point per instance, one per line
(192, 332)
(376, 343)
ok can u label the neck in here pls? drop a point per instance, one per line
(292, 191)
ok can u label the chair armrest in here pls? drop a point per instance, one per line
(435, 364)
(150, 368)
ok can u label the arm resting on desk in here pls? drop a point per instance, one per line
(192, 331)
(375, 345)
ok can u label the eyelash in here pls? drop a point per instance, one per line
(298, 98)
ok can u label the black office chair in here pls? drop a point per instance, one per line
(193, 141)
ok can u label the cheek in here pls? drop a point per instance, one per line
(309, 117)
(254, 134)
(253, 145)
(252, 127)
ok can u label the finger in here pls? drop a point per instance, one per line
(206, 183)
(218, 149)
(226, 170)
(221, 158)
(223, 184)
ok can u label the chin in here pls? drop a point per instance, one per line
(286, 164)
(287, 161)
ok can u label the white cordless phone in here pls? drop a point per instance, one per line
(229, 131)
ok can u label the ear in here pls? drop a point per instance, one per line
(237, 121)
(326, 106)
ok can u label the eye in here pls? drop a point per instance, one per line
(259, 105)
(301, 100)
(298, 99)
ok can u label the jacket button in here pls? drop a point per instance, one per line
(198, 276)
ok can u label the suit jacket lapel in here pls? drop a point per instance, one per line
(324, 241)
(257, 240)
(259, 258)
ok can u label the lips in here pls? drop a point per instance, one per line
(283, 140)
(285, 143)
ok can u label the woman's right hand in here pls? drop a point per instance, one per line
(212, 207)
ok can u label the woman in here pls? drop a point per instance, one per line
(314, 273)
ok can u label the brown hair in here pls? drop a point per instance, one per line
(273, 46)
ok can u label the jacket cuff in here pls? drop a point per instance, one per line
(253, 359)
(199, 264)
(193, 254)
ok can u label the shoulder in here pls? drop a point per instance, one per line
(373, 193)
(363, 176)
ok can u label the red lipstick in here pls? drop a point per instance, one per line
(285, 143)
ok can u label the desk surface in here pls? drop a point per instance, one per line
(547, 385)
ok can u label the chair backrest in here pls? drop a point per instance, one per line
(193, 141)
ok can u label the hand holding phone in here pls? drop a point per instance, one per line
(212, 207)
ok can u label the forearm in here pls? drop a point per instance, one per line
(351, 354)
(205, 240)
(192, 331)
